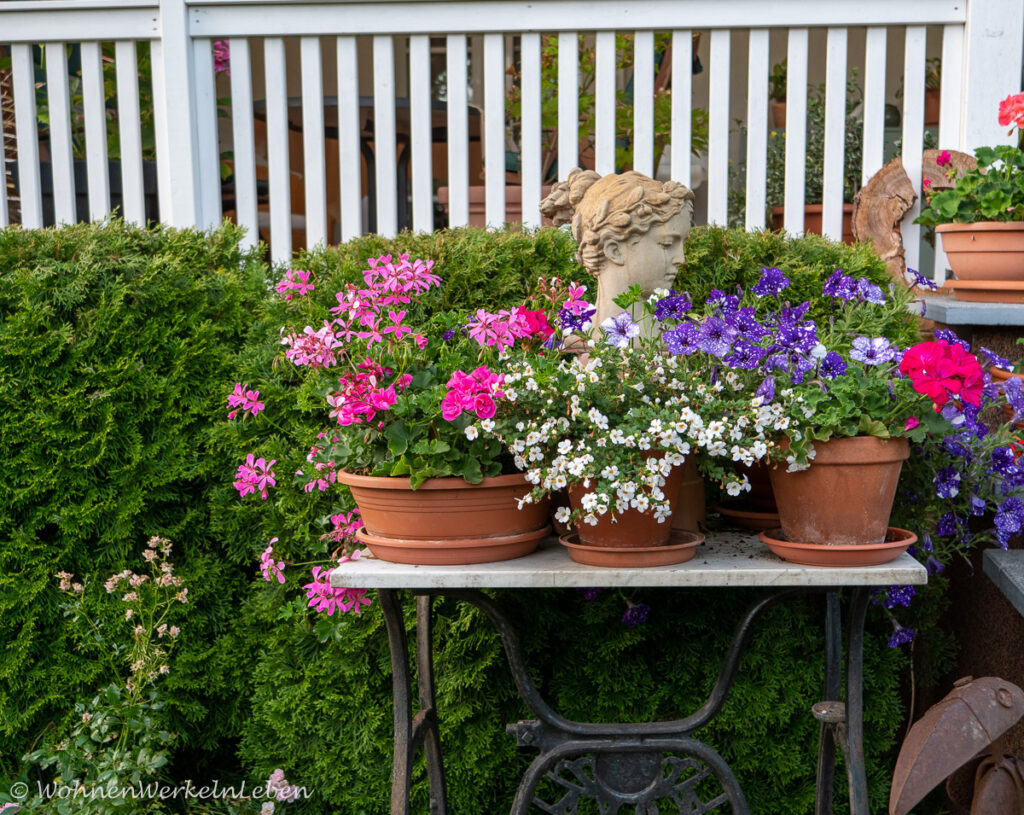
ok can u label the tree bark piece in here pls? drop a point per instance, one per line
(879, 208)
(937, 177)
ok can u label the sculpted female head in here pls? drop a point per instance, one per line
(630, 228)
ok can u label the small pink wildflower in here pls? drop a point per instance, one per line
(324, 597)
(294, 280)
(278, 786)
(173, 632)
(245, 400)
(269, 566)
(255, 474)
(65, 580)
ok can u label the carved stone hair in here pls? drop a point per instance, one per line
(612, 208)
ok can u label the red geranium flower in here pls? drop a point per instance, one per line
(942, 371)
(1011, 111)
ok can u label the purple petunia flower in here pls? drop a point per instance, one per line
(934, 565)
(832, 365)
(840, 286)
(745, 355)
(448, 335)
(949, 335)
(1014, 390)
(673, 307)
(899, 596)
(620, 329)
(866, 290)
(635, 614)
(766, 390)
(947, 483)
(772, 281)
(901, 636)
(1009, 520)
(575, 322)
(996, 360)
(682, 339)
(745, 321)
(915, 279)
(946, 527)
(590, 594)
(871, 351)
(715, 337)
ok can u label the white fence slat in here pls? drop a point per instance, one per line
(530, 129)
(243, 141)
(61, 149)
(494, 129)
(992, 68)
(349, 126)
(93, 102)
(835, 135)
(874, 101)
(913, 135)
(29, 185)
(421, 134)
(385, 150)
(796, 130)
(643, 102)
(604, 102)
(5, 218)
(458, 132)
(757, 129)
(314, 172)
(74, 23)
(950, 125)
(129, 132)
(568, 103)
(205, 100)
(278, 157)
(682, 99)
(718, 128)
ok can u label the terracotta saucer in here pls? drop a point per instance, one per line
(821, 554)
(681, 547)
(455, 551)
(738, 515)
(987, 291)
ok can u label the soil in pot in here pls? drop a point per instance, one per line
(845, 497)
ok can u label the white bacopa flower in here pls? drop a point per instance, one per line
(610, 473)
(759, 449)
(733, 488)
(562, 515)
(472, 432)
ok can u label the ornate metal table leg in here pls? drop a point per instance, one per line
(410, 731)
(854, 752)
(833, 689)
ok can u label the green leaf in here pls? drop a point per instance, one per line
(872, 427)
(993, 205)
(471, 470)
(398, 436)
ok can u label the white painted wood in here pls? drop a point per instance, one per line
(177, 153)
(604, 102)
(5, 217)
(494, 130)
(422, 134)
(278, 155)
(129, 133)
(349, 126)
(77, 24)
(757, 129)
(796, 130)
(93, 102)
(530, 129)
(682, 100)
(718, 128)
(835, 134)
(243, 138)
(992, 68)
(913, 135)
(385, 149)
(253, 18)
(204, 98)
(568, 103)
(314, 173)
(725, 559)
(458, 131)
(643, 103)
(29, 185)
(950, 102)
(874, 101)
(61, 149)
(78, 5)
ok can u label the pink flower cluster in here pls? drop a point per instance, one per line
(1011, 112)
(474, 393)
(221, 57)
(326, 472)
(323, 597)
(313, 348)
(255, 474)
(394, 281)
(363, 395)
(269, 566)
(278, 786)
(345, 526)
(296, 281)
(503, 328)
(244, 400)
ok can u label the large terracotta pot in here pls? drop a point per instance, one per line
(812, 220)
(778, 114)
(631, 529)
(478, 203)
(446, 520)
(986, 251)
(689, 513)
(999, 375)
(845, 497)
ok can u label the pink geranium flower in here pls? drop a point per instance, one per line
(244, 400)
(324, 597)
(1011, 112)
(271, 569)
(255, 474)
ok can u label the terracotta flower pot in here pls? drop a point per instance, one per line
(632, 529)
(845, 497)
(812, 220)
(999, 375)
(444, 515)
(983, 256)
(689, 513)
(778, 114)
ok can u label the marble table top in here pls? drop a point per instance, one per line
(1006, 568)
(724, 559)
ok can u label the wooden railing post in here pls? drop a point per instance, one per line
(992, 68)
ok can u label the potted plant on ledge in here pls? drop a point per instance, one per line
(981, 219)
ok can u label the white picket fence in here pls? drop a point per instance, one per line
(981, 64)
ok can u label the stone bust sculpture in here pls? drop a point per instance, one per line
(629, 227)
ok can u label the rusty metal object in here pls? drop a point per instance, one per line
(972, 716)
(999, 786)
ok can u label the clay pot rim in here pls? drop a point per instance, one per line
(451, 543)
(983, 226)
(906, 538)
(691, 539)
(858, 450)
(389, 482)
(1002, 374)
